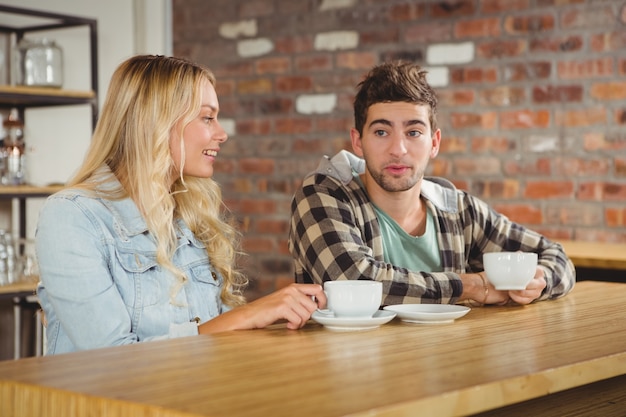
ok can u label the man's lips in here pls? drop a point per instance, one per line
(396, 169)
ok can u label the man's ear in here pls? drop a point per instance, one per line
(436, 143)
(355, 138)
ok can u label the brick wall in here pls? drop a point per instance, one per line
(532, 103)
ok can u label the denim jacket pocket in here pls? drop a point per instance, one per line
(145, 285)
(205, 274)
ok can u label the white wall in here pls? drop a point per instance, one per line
(57, 137)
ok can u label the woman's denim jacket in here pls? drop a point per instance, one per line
(100, 282)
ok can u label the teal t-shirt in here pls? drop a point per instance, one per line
(417, 254)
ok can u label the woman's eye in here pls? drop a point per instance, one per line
(207, 119)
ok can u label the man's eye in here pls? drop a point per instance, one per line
(414, 133)
(380, 132)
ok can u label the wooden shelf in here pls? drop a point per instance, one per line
(42, 96)
(12, 191)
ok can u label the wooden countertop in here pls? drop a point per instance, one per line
(596, 254)
(490, 358)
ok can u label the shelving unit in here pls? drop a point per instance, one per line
(17, 22)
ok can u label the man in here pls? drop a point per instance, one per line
(373, 214)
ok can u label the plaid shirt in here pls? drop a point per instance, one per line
(334, 234)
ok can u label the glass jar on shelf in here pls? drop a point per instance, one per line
(38, 63)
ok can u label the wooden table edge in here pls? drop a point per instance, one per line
(480, 398)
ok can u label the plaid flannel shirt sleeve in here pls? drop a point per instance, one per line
(334, 235)
(489, 231)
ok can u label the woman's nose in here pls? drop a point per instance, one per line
(220, 133)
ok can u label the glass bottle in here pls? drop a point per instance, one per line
(12, 152)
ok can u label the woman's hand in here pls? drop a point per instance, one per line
(294, 303)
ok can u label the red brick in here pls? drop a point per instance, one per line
(307, 146)
(273, 65)
(440, 168)
(476, 28)
(622, 65)
(293, 83)
(502, 96)
(501, 48)
(528, 24)
(581, 167)
(527, 71)
(253, 127)
(450, 98)
(557, 3)
(600, 67)
(314, 63)
(249, 206)
(521, 213)
(453, 144)
(486, 120)
(620, 116)
(256, 166)
(237, 69)
(592, 17)
(406, 12)
(241, 185)
(258, 245)
(583, 117)
(575, 215)
(274, 105)
(334, 124)
(292, 45)
(503, 6)
(254, 86)
(428, 32)
(561, 44)
(608, 41)
(609, 91)
(293, 125)
(604, 141)
(559, 94)
(527, 167)
(491, 144)
(465, 167)
(382, 36)
(256, 8)
(473, 75)
(224, 87)
(356, 60)
(549, 189)
(449, 9)
(602, 191)
(620, 167)
(615, 217)
(272, 226)
(224, 166)
(525, 119)
(502, 189)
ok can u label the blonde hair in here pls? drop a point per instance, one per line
(148, 97)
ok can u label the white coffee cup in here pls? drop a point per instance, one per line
(510, 270)
(353, 298)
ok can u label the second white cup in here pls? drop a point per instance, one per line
(353, 298)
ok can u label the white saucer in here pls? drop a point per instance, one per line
(344, 324)
(428, 313)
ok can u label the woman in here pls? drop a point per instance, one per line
(137, 247)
